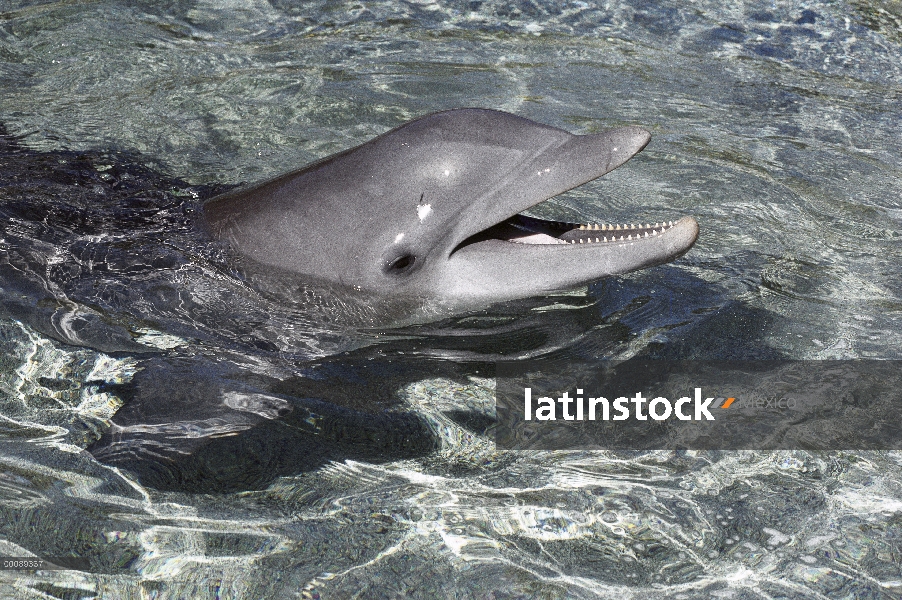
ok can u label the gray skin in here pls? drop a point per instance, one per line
(430, 209)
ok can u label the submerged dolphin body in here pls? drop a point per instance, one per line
(429, 210)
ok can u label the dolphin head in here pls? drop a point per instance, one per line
(431, 210)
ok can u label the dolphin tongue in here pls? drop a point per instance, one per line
(512, 231)
(523, 231)
(537, 238)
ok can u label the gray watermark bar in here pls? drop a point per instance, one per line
(53, 563)
(700, 405)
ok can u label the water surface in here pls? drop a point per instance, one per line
(777, 125)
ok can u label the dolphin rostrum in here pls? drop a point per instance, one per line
(429, 210)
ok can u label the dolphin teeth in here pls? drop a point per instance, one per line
(596, 226)
(646, 234)
(597, 240)
(621, 238)
(670, 224)
(629, 237)
(655, 232)
(618, 228)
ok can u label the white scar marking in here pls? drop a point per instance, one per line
(399, 237)
(423, 211)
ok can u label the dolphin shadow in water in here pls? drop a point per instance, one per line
(192, 426)
(196, 425)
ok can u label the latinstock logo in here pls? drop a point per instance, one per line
(705, 405)
(659, 408)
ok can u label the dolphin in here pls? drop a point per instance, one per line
(431, 210)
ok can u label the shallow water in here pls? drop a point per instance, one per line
(776, 125)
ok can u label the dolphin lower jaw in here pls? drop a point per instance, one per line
(523, 256)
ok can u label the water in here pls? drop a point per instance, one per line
(776, 125)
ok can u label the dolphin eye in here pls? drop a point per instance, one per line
(402, 264)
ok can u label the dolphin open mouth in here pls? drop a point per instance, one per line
(564, 162)
(525, 253)
(521, 229)
(501, 248)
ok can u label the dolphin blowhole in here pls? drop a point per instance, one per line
(441, 198)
